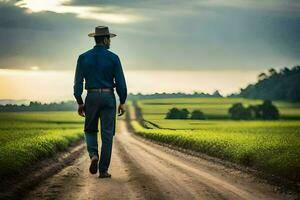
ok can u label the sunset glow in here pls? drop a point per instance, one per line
(50, 86)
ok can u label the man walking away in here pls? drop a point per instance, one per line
(102, 72)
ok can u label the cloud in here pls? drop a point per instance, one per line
(38, 5)
(179, 34)
(45, 39)
(286, 6)
(102, 13)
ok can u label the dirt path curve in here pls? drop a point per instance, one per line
(143, 170)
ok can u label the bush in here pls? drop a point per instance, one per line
(269, 111)
(176, 113)
(197, 114)
(264, 111)
(184, 113)
(238, 111)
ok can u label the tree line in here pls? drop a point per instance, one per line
(38, 106)
(164, 95)
(274, 85)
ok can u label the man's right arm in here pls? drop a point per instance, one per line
(78, 86)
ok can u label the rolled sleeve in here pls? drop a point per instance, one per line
(120, 81)
(78, 81)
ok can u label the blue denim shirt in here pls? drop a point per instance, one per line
(100, 68)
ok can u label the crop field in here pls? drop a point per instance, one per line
(270, 146)
(213, 108)
(30, 136)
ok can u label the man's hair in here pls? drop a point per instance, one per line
(100, 39)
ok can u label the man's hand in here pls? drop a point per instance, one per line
(80, 110)
(121, 109)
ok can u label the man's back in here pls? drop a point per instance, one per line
(98, 65)
(100, 68)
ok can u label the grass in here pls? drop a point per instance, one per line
(28, 137)
(270, 146)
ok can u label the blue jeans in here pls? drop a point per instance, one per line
(100, 105)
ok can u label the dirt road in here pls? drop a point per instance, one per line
(142, 170)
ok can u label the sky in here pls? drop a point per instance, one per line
(201, 45)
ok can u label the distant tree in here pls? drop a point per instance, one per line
(285, 70)
(176, 113)
(296, 68)
(197, 114)
(265, 111)
(272, 72)
(216, 94)
(293, 93)
(238, 111)
(247, 114)
(269, 111)
(184, 113)
(255, 111)
(262, 76)
(173, 113)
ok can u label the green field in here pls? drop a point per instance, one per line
(270, 146)
(31, 136)
(213, 108)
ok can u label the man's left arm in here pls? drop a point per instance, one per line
(121, 86)
(78, 86)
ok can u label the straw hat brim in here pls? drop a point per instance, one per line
(94, 34)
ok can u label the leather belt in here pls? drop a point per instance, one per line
(100, 90)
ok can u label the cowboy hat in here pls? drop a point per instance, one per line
(101, 31)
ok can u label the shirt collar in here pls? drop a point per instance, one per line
(99, 46)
